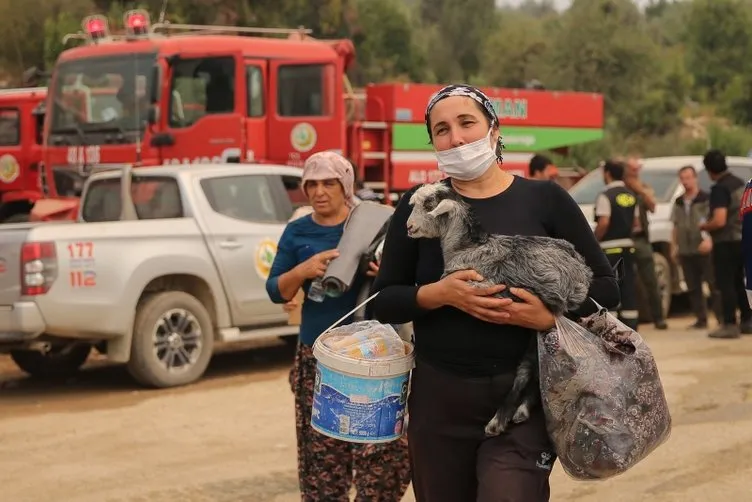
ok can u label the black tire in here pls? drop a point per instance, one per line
(192, 347)
(17, 218)
(59, 362)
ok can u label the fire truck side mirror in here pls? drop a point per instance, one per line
(156, 84)
(153, 114)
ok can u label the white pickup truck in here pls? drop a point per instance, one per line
(164, 263)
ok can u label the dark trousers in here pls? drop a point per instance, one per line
(729, 276)
(453, 461)
(628, 313)
(643, 258)
(698, 269)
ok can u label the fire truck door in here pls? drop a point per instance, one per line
(306, 109)
(204, 108)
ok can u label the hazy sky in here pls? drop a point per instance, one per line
(561, 4)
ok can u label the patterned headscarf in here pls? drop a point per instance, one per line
(471, 92)
(328, 166)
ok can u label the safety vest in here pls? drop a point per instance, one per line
(623, 203)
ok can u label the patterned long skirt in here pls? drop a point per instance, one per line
(327, 467)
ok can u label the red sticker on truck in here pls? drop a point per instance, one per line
(83, 278)
(81, 250)
(82, 264)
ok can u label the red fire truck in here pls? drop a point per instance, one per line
(21, 119)
(168, 93)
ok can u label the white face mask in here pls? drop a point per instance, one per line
(467, 162)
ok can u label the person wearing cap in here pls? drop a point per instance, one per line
(616, 213)
(325, 465)
(541, 168)
(469, 343)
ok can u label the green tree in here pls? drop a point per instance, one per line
(737, 99)
(384, 44)
(453, 34)
(28, 32)
(667, 22)
(515, 52)
(601, 46)
(719, 40)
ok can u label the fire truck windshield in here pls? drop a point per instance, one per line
(95, 97)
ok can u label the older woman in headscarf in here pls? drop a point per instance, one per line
(326, 465)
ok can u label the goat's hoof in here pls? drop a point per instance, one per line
(494, 427)
(522, 414)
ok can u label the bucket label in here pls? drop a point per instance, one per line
(359, 409)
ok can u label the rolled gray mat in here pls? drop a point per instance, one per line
(361, 228)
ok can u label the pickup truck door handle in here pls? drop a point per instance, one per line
(230, 244)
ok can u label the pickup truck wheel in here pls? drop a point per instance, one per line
(173, 339)
(59, 361)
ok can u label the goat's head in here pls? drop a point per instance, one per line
(434, 206)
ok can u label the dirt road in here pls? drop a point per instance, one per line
(99, 438)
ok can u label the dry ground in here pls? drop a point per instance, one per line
(99, 438)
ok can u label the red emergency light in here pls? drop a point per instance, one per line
(136, 22)
(95, 26)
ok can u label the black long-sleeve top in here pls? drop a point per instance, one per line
(447, 337)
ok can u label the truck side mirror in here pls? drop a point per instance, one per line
(153, 114)
(156, 87)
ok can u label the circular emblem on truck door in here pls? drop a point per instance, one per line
(303, 137)
(9, 168)
(265, 253)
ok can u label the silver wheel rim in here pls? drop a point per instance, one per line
(177, 340)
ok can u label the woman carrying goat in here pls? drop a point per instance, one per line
(469, 343)
(326, 465)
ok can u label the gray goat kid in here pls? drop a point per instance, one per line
(547, 267)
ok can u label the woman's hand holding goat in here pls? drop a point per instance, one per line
(528, 313)
(478, 300)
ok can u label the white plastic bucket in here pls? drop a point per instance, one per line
(360, 401)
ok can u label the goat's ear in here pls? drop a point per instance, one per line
(445, 206)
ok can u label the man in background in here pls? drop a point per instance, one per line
(725, 228)
(643, 256)
(541, 168)
(691, 246)
(615, 214)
